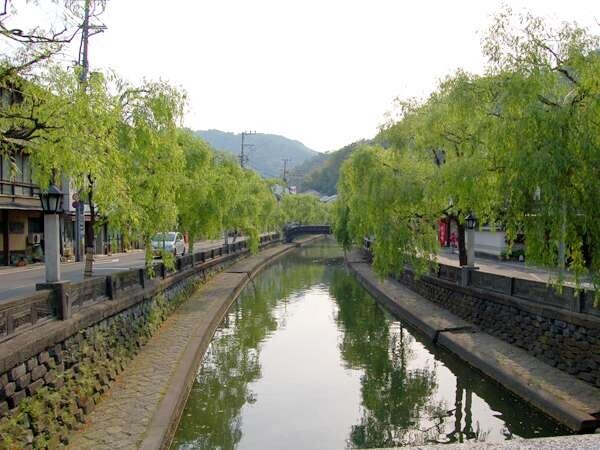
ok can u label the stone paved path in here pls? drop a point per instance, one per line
(582, 442)
(121, 419)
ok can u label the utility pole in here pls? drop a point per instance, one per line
(90, 9)
(285, 173)
(83, 78)
(85, 35)
(243, 154)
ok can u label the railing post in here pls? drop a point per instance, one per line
(111, 287)
(60, 291)
(142, 277)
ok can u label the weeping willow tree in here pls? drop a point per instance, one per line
(304, 209)
(383, 194)
(518, 146)
(546, 138)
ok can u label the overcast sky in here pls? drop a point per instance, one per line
(322, 72)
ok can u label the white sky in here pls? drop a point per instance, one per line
(323, 72)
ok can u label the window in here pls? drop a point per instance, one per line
(5, 175)
(19, 173)
(15, 170)
(35, 225)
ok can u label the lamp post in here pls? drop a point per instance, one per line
(470, 222)
(51, 204)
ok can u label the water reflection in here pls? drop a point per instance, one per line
(306, 359)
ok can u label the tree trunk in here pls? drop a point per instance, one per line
(190, 242)
(462, 248)
(90, 250)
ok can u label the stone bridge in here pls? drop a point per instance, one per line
(292, 231)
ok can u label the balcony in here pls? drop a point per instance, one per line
(19, 195)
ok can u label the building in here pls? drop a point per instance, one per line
(22, 221)
(489, 241)
(21, 218)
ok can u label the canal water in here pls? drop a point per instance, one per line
(306, 359)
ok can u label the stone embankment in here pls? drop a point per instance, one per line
(54, 370)
(562, 396)
(142, 408)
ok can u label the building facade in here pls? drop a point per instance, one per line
(22, 221)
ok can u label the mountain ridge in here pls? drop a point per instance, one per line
(268, 151)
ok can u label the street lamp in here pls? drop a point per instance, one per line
(51, 200)
(470, 222)
(51, 205)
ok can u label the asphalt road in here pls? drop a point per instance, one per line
(20, 281)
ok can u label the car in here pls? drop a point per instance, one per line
(171, 241)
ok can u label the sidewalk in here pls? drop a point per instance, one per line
(39, 265)
(507, 268)
(16, 282)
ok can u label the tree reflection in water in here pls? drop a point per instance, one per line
(211, 418)
(396, 401)
(409, 393)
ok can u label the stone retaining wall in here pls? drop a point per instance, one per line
(567, 340)
(58, 370)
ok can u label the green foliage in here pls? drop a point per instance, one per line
(322, 172)
(242, 199)
(518, 146)
(383, 194)
(152, 160)
(305, 209)
(546, 137)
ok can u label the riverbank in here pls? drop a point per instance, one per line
(568, 400)
(142, 408)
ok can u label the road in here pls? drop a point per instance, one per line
(20, 281)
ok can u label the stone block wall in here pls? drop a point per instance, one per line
(44, 398)
(569, 341)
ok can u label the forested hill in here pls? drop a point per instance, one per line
(322, 172)
(268, 152)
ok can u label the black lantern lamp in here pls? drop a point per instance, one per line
(470, 221)
(51, 200)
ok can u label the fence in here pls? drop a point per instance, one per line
(22, 314)
(536, 292)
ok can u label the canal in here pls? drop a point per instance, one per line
(307, 359)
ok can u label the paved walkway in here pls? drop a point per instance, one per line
(564, 397)
(507, 268)
(123, 417)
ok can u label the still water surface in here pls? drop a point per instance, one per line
(306, 359)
